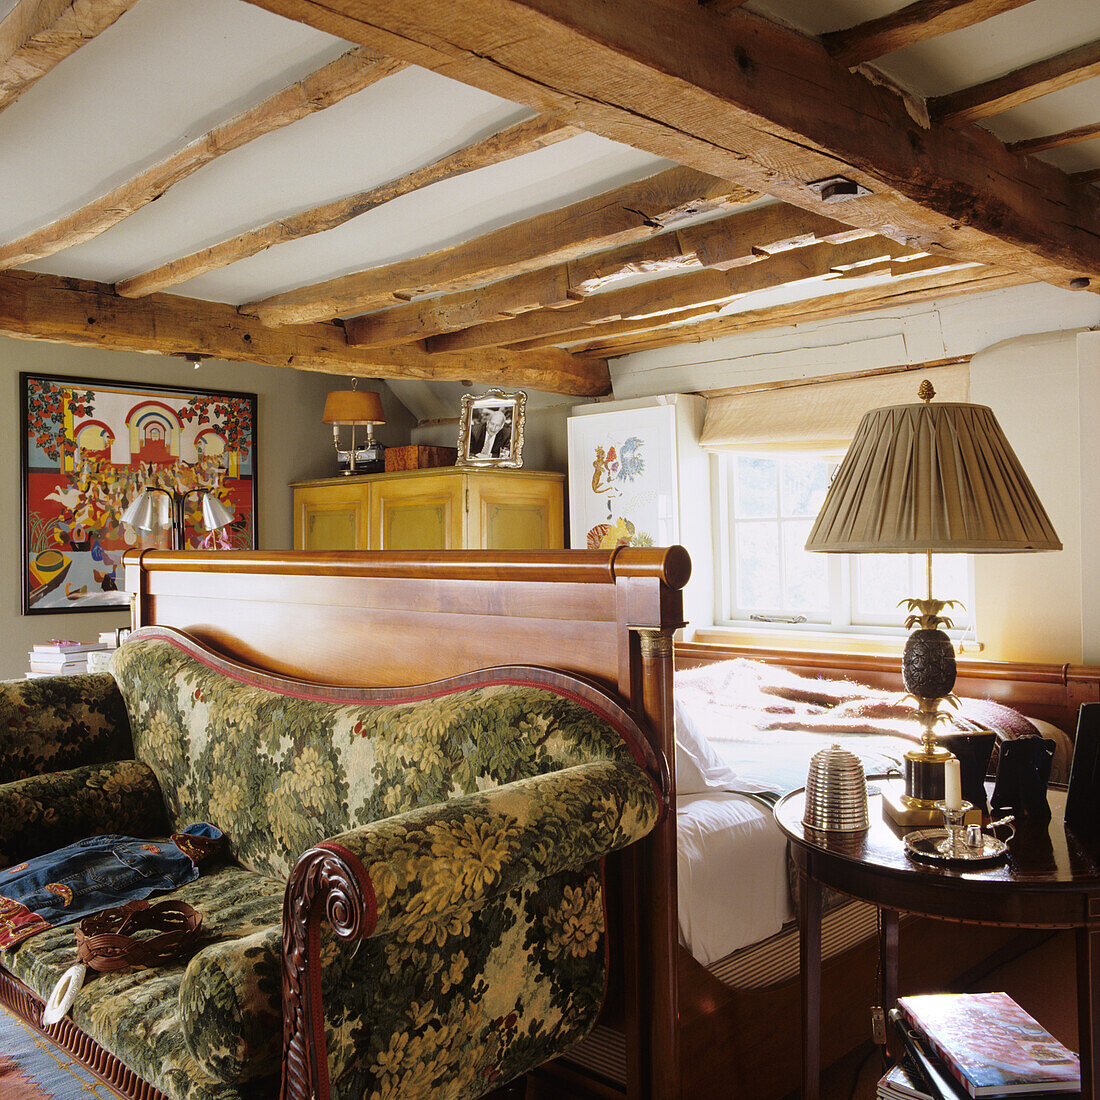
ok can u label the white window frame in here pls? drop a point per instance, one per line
(841, 571)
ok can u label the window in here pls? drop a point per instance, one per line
(767, 504)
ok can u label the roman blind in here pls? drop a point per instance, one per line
(818, 415)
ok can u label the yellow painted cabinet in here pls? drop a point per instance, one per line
(331, 515)
(436, 509)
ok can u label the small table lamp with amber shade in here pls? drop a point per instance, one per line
(930, 478)
(355, 407)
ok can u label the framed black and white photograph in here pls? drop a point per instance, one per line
(491, 429)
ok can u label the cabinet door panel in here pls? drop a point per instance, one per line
(516, 514)
(332, 517)
(417, 514)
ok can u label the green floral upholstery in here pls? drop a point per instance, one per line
(59, 722)
(488, 954)
(45, 812)
(136, 1014)
(278, 773)
(229, 1006)
(475, 818)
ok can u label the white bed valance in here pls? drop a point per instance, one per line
(821, 414)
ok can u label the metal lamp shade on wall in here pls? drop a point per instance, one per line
(925, 478)
(355, 407)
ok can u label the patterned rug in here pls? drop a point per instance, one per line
(32, 1068)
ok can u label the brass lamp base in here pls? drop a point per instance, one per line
(915, 813)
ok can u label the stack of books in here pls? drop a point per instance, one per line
(976, 1045)
(99, 660)
(61, 658)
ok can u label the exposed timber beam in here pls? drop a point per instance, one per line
(515, 141)
(992, 97)
(1054, 141)
(662, 296)
(919, 288)
(628, 213)
(34, 306)
(915, 22)
(1089, 175)
(36, 35)
(355, 70)
(722, 243)
(783, 114)
(903, 269)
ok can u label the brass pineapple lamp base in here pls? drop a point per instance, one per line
(921, 478)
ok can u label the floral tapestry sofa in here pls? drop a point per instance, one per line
(410, 903)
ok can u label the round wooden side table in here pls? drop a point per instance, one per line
(1050, 879)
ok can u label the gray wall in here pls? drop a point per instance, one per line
(293, 445)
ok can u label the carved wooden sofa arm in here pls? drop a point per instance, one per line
(483, 925)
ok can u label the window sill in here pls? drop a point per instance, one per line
(817, 641)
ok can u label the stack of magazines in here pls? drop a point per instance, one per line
(975, 1045)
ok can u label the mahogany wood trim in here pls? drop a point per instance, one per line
(326, 882)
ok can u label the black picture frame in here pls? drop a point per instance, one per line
(89, 445)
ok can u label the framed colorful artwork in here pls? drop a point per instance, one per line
(622, 479)
(91, 447)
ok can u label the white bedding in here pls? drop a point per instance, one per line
(731, 863)
(732, 874)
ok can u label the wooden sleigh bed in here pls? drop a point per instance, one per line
(388, 619)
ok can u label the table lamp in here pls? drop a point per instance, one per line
(356, 407)
(927, 478)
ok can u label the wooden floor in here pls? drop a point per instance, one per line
(1043, 981)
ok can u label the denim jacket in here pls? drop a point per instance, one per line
(96, 874)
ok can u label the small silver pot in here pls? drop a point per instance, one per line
(836, 792)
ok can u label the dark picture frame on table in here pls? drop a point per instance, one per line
(89, 446)
(491, 429)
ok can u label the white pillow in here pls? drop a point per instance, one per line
(698, 766)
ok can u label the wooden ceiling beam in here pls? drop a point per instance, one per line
(745, 99)
(915, 22)
(1054, 141)
(34, 306)
(660, 296)
(669, 322)
(515, 141)
(628, 213)
(355, 70)
(723, 243)
(36, 35)
(918, 288)
(992, 97)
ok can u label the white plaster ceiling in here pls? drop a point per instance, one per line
(166, 72)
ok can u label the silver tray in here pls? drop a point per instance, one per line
(923, 844)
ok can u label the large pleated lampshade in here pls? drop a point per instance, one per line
(931, 477)
(353, 407)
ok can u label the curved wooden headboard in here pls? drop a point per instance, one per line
(389, 619)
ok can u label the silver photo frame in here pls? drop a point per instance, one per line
(491, 429)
